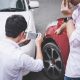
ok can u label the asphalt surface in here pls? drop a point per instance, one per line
(48, 12)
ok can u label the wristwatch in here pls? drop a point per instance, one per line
(69, 18)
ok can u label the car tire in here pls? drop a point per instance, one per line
(53, 64)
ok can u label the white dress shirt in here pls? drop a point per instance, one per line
(14, 63)
(73, 62)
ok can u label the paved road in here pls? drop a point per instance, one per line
(48, 11)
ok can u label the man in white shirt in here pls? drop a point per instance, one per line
(13, 61)
(72, 71)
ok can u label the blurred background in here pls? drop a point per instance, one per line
(48, 12)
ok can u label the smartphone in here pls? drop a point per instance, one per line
(31, 35)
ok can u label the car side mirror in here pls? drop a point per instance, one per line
(33, 4)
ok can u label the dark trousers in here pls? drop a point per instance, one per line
(69, 78)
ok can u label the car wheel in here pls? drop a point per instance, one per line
(53, 65)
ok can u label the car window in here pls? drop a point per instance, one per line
(27, 1)
(12, 5)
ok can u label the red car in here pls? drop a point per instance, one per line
(56, 49)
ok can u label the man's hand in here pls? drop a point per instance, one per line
(61, 28)
(39, 39)
(58, 31)
(67, 8)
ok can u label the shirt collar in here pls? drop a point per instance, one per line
(12, 42)
(78, 5)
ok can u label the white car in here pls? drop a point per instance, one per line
(19, 7)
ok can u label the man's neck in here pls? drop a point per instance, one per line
(13, 39)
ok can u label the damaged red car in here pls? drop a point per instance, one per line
(56, 50)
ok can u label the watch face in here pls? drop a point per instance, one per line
(68, 18)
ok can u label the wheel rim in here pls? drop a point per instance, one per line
(52, 61)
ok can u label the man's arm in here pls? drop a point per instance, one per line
(70, 27)
(61, 28)
(31, 64)
(38, 46)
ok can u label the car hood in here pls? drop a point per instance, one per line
(5, 15)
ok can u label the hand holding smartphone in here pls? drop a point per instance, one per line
(39, 40)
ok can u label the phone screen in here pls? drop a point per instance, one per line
(31, 35)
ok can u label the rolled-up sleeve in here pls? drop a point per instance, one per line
(31, 64)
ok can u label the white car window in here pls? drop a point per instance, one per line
(12, 5)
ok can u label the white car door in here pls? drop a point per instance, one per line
(30, 47)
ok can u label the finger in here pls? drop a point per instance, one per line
(67, 3)
(70, 6)
(39, 35)
(62, 4)
(55, 32)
